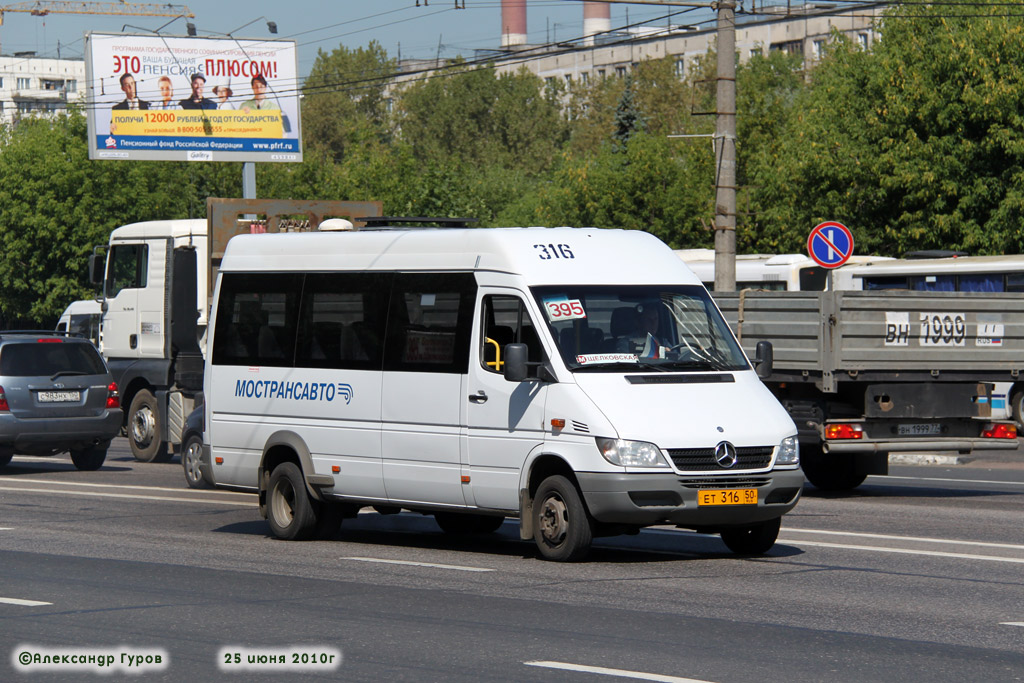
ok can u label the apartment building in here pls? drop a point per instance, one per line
(32, 85)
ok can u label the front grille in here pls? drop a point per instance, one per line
(726, 482)
(703, 459)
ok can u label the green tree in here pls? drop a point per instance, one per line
(918, 144)
(56, 205)
(483, 120)
(344, 99)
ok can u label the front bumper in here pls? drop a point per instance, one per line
(667, 498)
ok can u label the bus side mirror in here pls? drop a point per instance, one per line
(763, 359)
(96, 263)
(515, 362)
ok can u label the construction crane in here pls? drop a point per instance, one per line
(41, 8)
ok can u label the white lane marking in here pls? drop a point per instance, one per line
(1011, 623)
(881, 477)
(917, 539)
(23, 603)
(97, 494)
(419, 564)
(115, 486)
(621, 673)
(906, 551)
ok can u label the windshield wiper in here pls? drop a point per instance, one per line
(690, 365)
(67, 372)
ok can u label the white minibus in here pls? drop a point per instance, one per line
(776, 272)
(580, 380)
(81, 318)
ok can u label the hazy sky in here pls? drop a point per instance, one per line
(398, 25)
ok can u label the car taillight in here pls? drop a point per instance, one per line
(49, 340)
(844, 431)
(3, 402)
(999, 430)
(113, 398)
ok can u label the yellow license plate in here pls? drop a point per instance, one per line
(727, 497)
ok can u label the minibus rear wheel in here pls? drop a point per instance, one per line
(562, 526)
(752, 539)
(289, 509)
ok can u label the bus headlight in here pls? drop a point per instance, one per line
(789, 452)
(631, 453)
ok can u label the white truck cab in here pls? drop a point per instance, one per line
(581, 380)
(154, 319)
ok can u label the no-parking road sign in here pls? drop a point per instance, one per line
(830, 244)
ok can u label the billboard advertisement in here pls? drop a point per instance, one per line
(192, 99)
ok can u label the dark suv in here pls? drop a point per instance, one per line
(56, 395)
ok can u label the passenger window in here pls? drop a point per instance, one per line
(128, 268)
(257, 319)
(429, 322)
(505, 321)
(342, 321)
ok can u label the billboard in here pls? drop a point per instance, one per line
(192, 99)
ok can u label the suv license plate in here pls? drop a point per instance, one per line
(59, 396)
(919, 429)
(727, 497)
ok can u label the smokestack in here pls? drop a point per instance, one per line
(513, 22)
(597, 18)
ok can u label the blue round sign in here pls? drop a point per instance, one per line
(830, 244)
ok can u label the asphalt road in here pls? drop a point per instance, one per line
(915, 576)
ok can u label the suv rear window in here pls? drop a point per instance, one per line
(36, 359)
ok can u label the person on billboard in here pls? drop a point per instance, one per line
(223, 92)
(131, 98)
(259, 96)
(166, 94)
(196, 99)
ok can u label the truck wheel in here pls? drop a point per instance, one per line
(562, 526)
(832, 472)
(752, 539)
(191, 451)
(289, 509)
(1017, 408)
(89, 459)
(144, 429)
(456, 523)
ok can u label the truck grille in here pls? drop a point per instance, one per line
(703, 459)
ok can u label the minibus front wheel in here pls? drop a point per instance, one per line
(752, 539)
(562, 527)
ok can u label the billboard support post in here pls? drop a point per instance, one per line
(248, 180)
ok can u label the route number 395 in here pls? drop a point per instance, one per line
(552, 251)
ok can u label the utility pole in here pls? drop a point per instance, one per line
(725, 150)
(725, 135)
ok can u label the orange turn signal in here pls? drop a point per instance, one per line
(844, 431)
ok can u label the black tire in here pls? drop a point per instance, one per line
(562, 527)
(289, 509)
(89, 459)
(328, 520)
(1017, 408)
(457, 523)
(752, 539)
(191, 451)
(831, 472)
(145, 428)
(5, 456)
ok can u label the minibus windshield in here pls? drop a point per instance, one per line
(611, 328)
